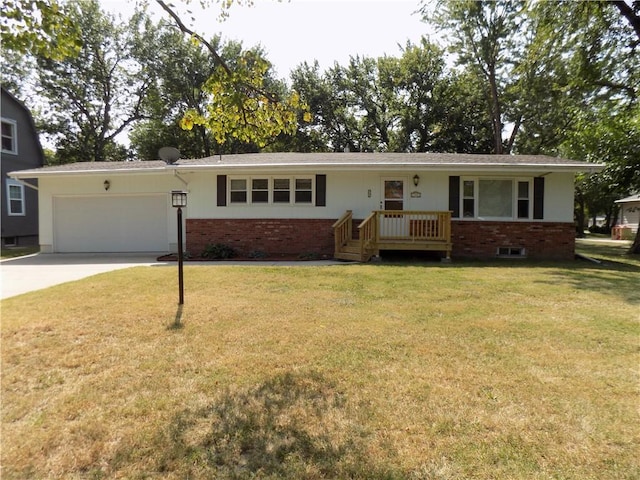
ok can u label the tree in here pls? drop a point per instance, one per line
(483, 34)
(93, 97)
(240, 104)
(181, 86)
(600, 41)
(42, 28)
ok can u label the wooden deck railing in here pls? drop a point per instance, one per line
(414, 226)
(393, 230)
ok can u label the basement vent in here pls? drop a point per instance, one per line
(511, 252)
(10, 241)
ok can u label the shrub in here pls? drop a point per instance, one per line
(218, 251)
(600, 229)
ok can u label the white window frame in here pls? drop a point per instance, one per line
(247, 183)
(22, 201)
(518, 198)
(515, 181)
(292, 179)
(14, 136)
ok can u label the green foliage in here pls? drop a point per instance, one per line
(179, 87)
(93, 97)
(240, 106)
(405, 103)
(218, 251)
(42, 28)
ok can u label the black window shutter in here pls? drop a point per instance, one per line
(454, 196)
(538, 198)
(222, 190)
(321, 190)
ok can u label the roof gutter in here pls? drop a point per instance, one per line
(26, 184)
(547, 169)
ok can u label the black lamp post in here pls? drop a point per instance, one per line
(179, 200)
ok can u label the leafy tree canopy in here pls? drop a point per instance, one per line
(40, 27)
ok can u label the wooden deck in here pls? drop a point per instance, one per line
(392, 230)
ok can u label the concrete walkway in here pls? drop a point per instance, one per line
(34, 272)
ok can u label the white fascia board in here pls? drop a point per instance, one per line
(24, 174)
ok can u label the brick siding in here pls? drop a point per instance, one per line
(471, 239)
(273, 236)
(542, 240)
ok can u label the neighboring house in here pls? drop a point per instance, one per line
(629, 218)
(479, 206)
(20, 150)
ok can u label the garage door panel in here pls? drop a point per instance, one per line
(111, 224)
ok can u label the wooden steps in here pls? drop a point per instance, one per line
(392, 230)
(350, 251)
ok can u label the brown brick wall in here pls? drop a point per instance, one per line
(554, 241)
(273, 236)
(471, 239)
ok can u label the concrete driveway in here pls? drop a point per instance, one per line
(42, 270)
(34, 272)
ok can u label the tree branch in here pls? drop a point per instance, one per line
(216, 56)
(627, 12)
(183, 28)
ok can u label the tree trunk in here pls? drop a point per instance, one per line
(635, 246)
(496, 113)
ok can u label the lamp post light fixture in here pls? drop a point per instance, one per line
(179, 200)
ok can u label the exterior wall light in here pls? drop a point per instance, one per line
(416, 179)
(107, 185)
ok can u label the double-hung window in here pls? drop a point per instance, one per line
(524, 205)
(281, 190)
(304, 190)
(259, 190)
(15, 198)
(238, 190)
(9, 136)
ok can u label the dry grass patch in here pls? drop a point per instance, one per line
(367, 371)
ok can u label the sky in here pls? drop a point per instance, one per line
(295, 31)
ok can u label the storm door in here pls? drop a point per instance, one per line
(393, 225)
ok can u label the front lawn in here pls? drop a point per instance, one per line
(13, 252)
(494, 370)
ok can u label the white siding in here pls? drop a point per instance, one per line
(135, 189)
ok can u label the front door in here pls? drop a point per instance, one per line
(393, 198)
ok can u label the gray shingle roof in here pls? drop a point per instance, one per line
(379, 159)
(333, 161)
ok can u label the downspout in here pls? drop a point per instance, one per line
(175, 173)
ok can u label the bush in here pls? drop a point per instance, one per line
(218, 251)
(600, 229)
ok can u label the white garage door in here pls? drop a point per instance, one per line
(111, 224)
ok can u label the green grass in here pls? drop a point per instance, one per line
(608, 251)
(493, 370)
(13, 252)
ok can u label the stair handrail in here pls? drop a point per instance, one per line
(367, 231)
(342, 230)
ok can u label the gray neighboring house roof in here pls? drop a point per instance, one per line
(632, 198)
(328, 161)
